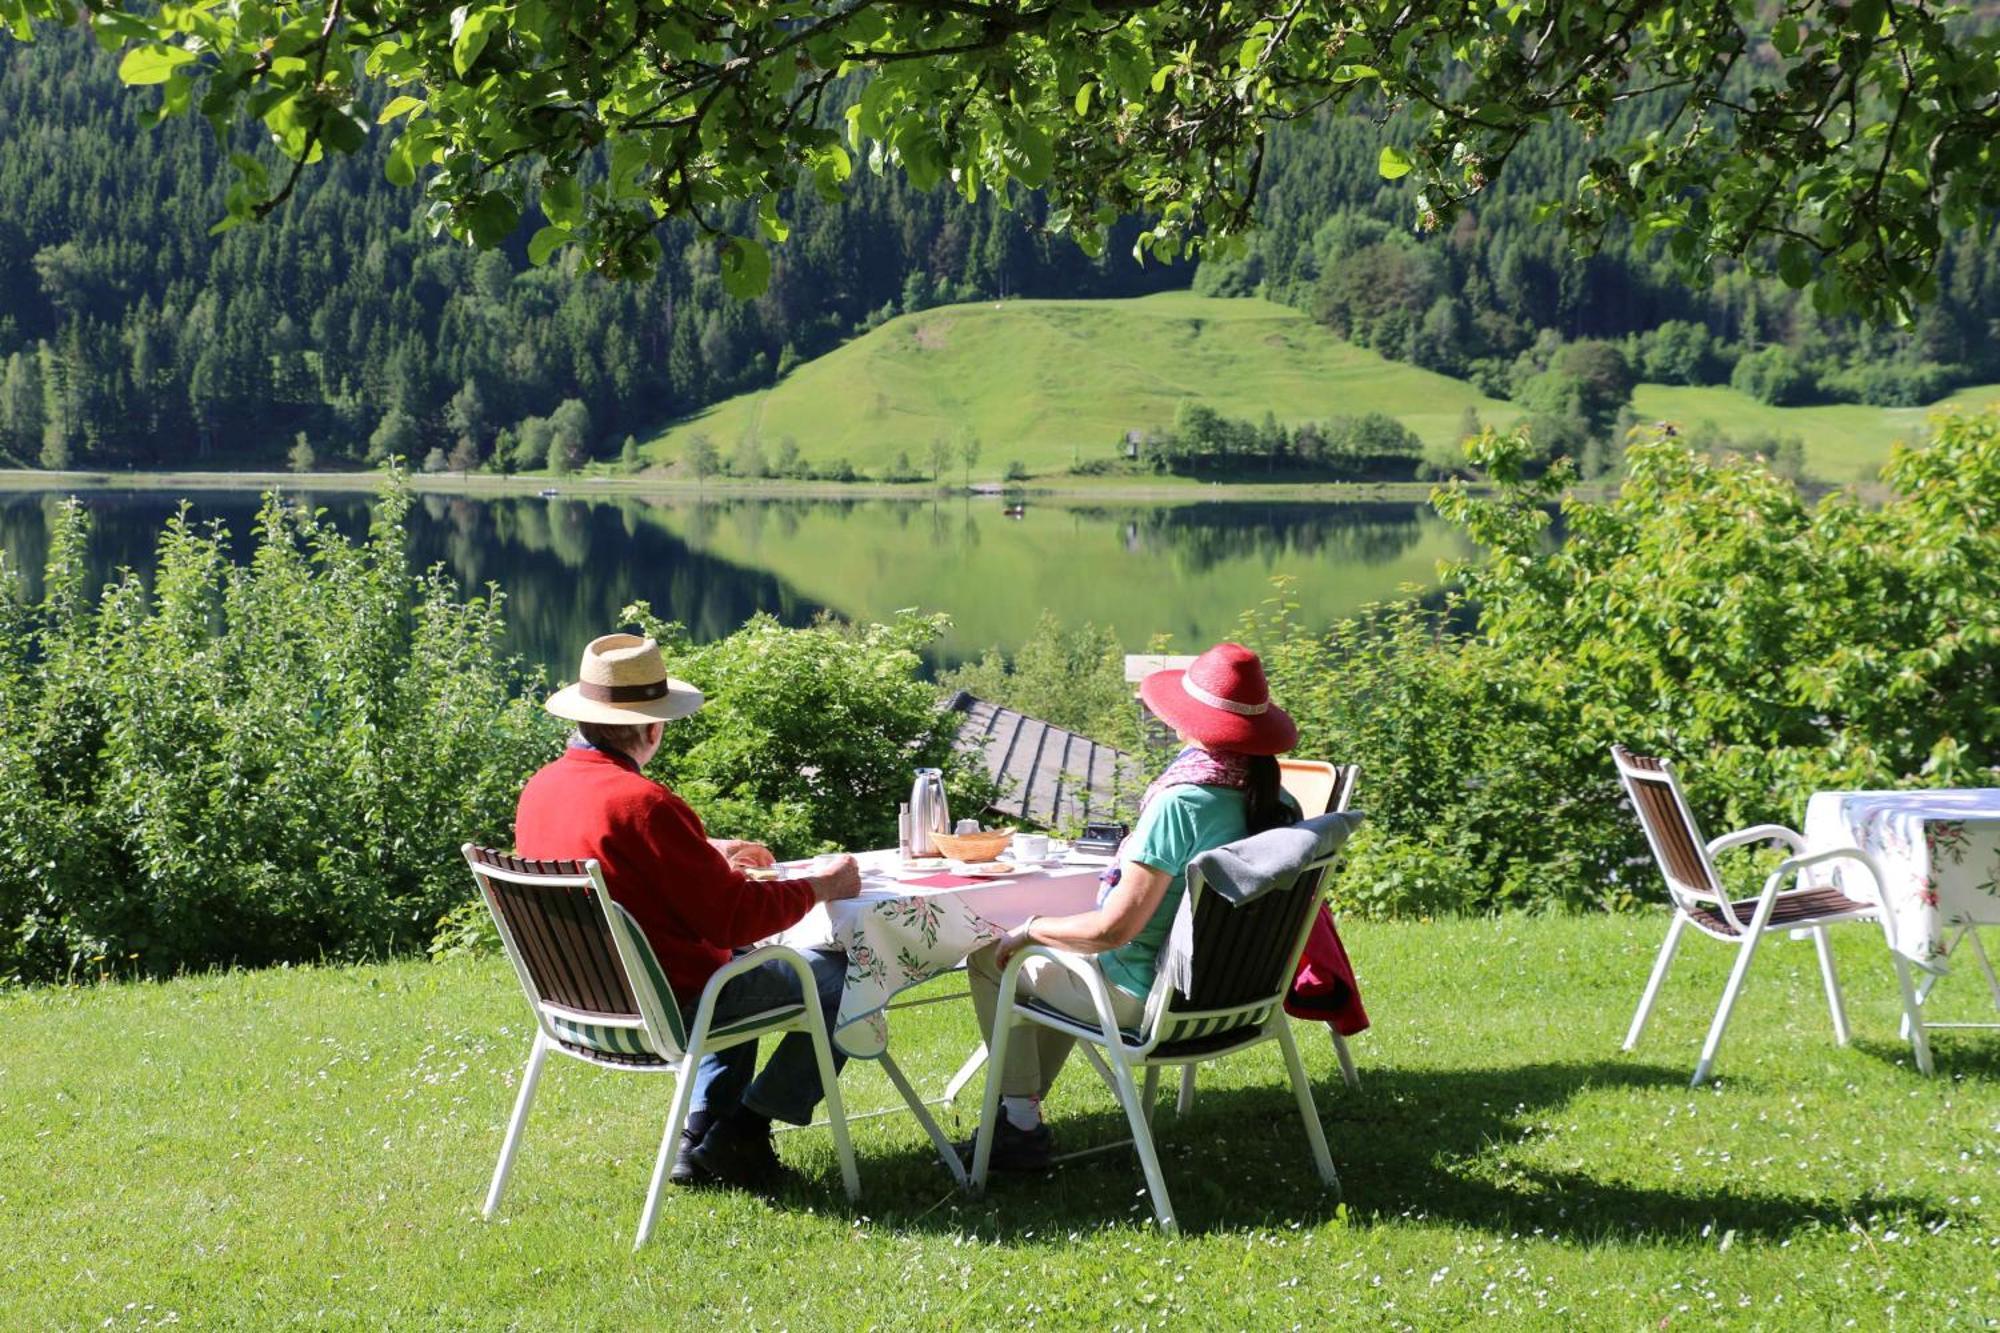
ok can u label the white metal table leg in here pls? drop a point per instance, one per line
(924, 1118)
(1185, 1102)
(1985, 964)
(965, 1073)
(1913, 1018)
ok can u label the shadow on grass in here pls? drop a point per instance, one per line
(1966, 1053)
(1420, 1145)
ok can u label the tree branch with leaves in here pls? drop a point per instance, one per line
(1835, 144)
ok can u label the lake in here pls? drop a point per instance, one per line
(1183, 570)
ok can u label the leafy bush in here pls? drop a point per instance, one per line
(1708, 612)
(247, 763)
(808, 737)
(1773, 375)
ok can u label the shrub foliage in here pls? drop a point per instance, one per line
(247, 763)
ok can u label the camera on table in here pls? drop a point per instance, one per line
(1100, 839)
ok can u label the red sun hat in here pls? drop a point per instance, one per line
(1222, 701)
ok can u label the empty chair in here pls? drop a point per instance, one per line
(1701, 901)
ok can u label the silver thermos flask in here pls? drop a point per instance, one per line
(927, 811)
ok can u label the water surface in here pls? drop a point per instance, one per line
(1183, 570)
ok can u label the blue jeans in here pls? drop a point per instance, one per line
(789, 1088)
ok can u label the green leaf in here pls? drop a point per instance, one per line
(545, 243)
(469, 40)
(774, 228)
(562, 200)
(1793, 265)
(492, 219)
(1033, 155)
(401, 166)
(151, 64)
(746, 268)
(1393, 163)
(1083, 99)
(401, 106)
(1785, 36)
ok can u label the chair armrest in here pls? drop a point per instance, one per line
(704, 1013)
(1755, 834)
(1791, 866)
(1086, 970)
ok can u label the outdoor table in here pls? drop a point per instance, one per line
(901, 932)
(1939, 851)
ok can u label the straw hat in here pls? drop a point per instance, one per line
(1222, 701)
(623, 682)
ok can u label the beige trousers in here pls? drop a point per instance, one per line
(1035, 1054)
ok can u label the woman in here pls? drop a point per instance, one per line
(1222, 787)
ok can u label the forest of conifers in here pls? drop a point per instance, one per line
(130, 336)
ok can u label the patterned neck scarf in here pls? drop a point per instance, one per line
(1206, 768)
(1192, 766)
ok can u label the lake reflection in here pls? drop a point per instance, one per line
(1186, 571)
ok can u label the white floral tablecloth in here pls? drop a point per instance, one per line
(897, 935)
(1939, 851)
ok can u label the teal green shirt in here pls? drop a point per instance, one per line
(1180, 824)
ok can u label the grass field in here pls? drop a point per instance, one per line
(1047, 382)
(1844, 441)
(307, 1149)
(1044, 382)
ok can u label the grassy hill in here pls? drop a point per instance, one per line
(1048, 382)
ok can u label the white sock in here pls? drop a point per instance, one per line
(1022, 1112)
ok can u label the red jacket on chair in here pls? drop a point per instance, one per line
(1325, 987)
(693, 908)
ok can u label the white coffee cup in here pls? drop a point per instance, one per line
(1030, 847)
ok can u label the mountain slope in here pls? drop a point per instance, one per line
(1046, 383)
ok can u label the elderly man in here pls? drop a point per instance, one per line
(689, 895)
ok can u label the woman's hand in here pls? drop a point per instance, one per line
(1015, 940)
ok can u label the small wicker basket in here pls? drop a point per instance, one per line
(973, 846)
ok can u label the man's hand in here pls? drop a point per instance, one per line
(841, 879)
(743, 855)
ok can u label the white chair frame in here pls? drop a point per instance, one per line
(1115, 1059)
(1320, 788)
(652, 1029)
(1700, 897)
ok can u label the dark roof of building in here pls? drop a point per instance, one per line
(1047, 775)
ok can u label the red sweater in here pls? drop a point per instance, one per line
(657, 862)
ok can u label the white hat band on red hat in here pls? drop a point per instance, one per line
(1217, 701)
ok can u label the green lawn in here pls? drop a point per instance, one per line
(1046, 382)
(1844, 441)
(307, 1148)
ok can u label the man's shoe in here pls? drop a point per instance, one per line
(1016, 1150)
(740, 1154)
(687, 1171)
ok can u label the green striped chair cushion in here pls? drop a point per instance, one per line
(628, 1045)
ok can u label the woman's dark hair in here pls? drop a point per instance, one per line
(1268, 809)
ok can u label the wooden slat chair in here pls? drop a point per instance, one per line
(599, 995)
(1700, 900)
(1244, 957)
